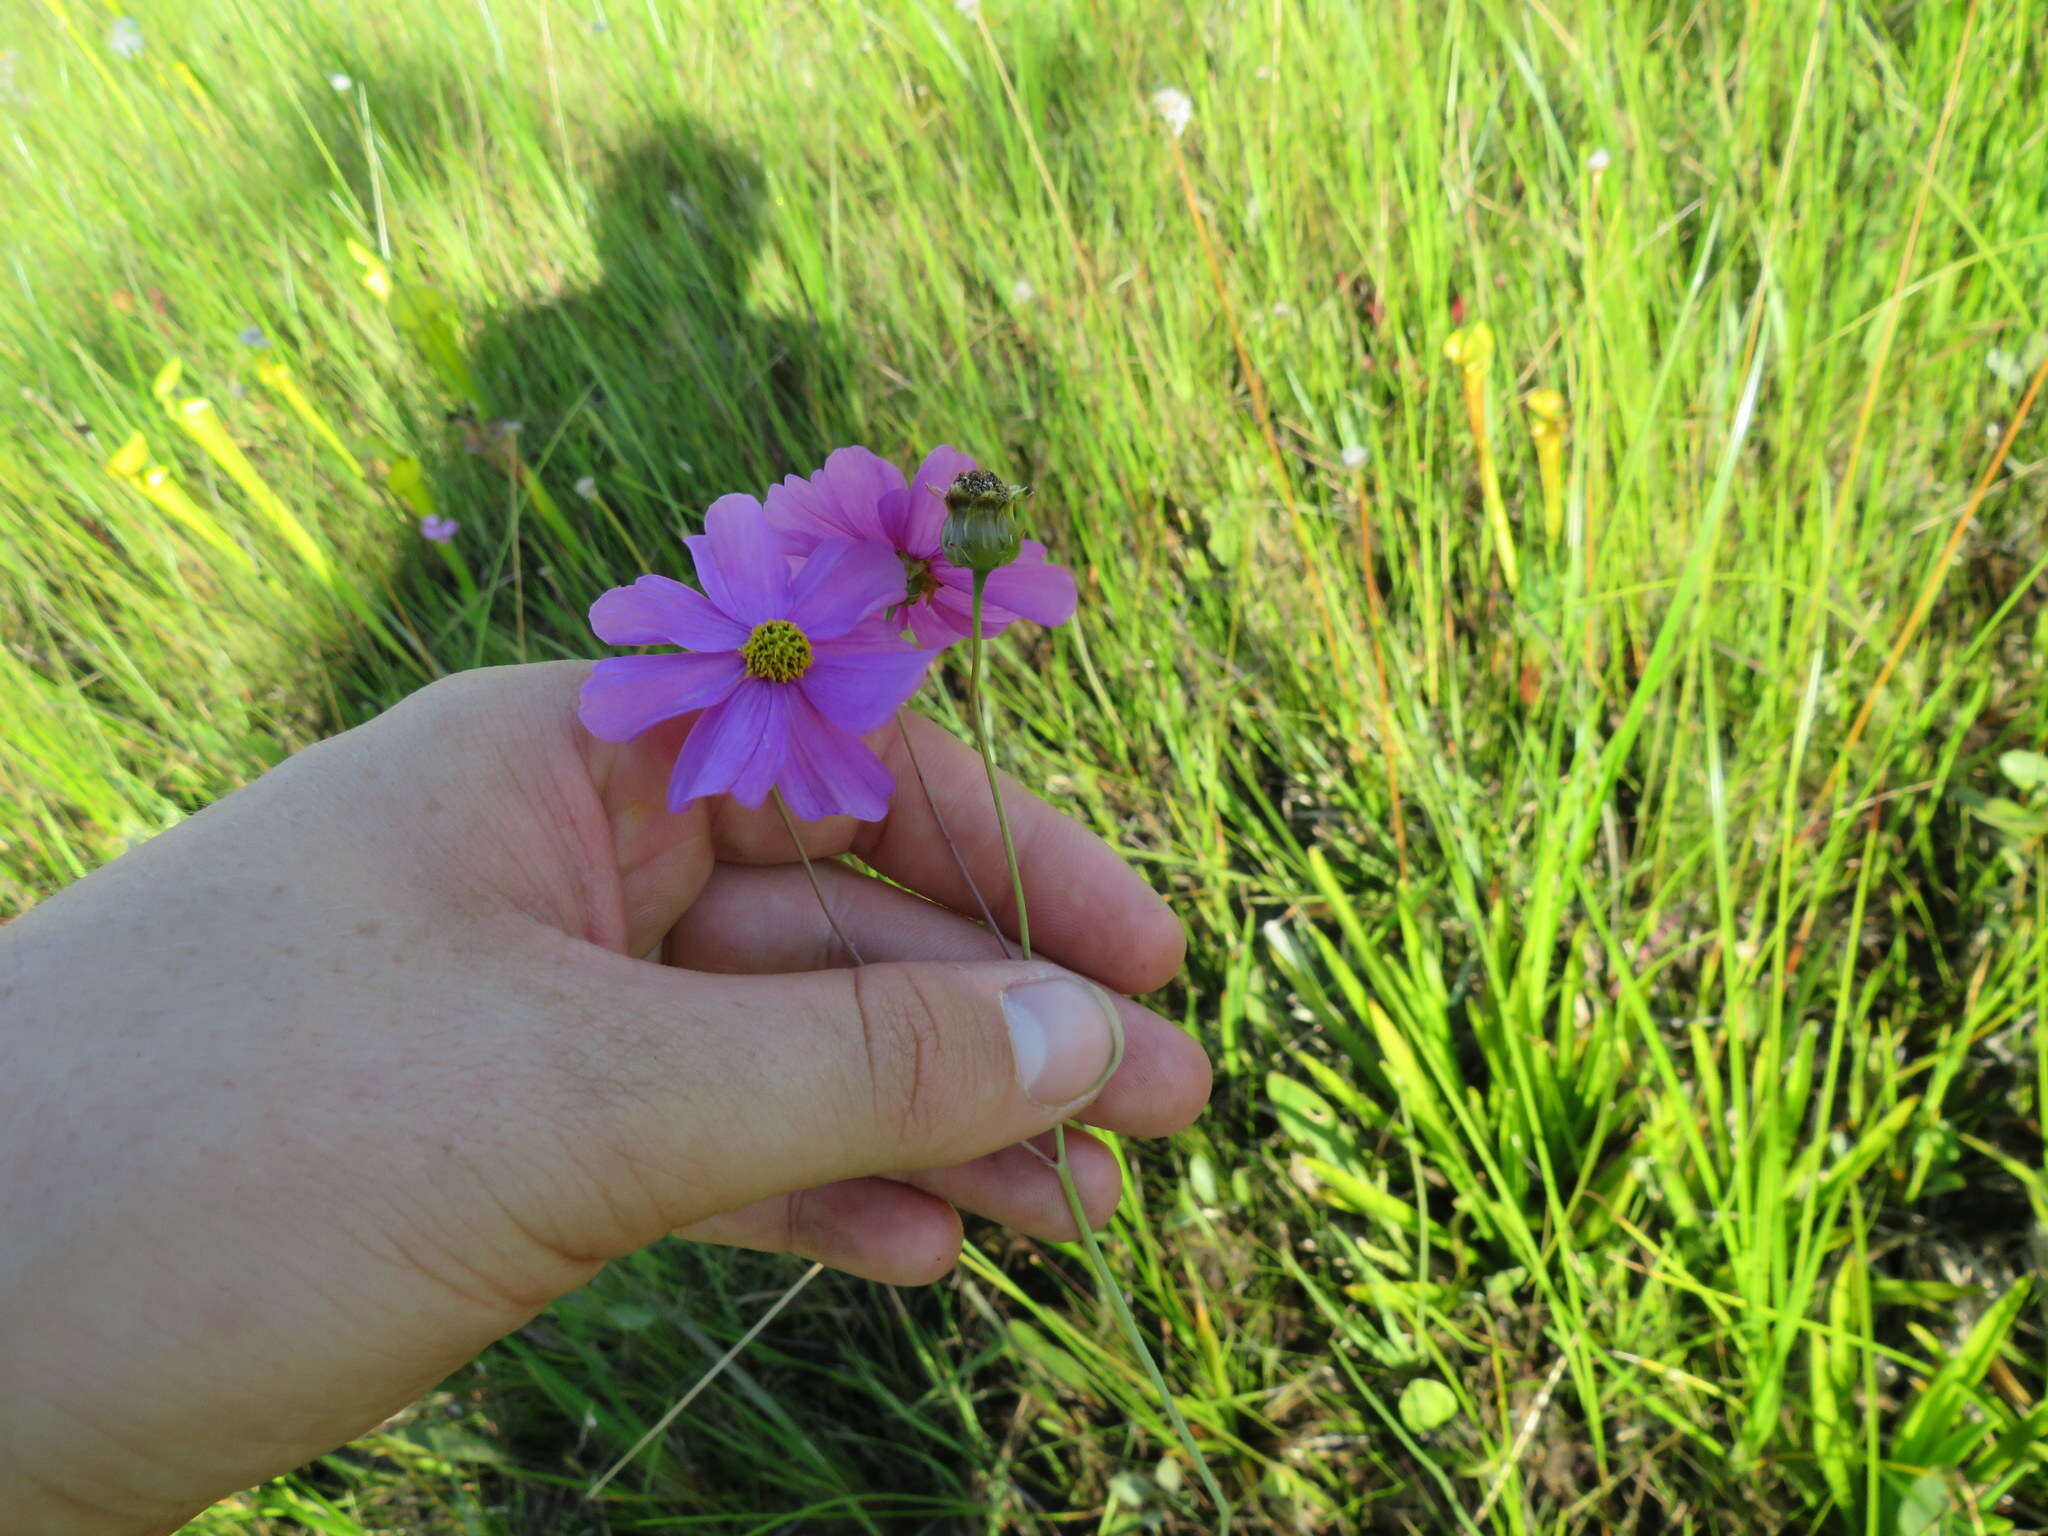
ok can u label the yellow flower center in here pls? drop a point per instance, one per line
(777, 652)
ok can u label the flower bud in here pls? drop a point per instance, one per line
(981, 532)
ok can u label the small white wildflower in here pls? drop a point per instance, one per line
(587, 487)
(340, 82)
(1282, 310)
(252, 336)
(1263, 72)
(124, 37)
(2006, 367)
(1598, 161)
(971, 9)
(1353, 456)
(1174, 108)
(1993, 431)
(1021, 292)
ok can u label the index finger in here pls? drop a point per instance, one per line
(1089, 909)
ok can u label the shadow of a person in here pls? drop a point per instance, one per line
(661, 385)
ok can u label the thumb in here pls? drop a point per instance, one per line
(759, 1085)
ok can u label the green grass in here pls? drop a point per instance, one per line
(1625, 1015)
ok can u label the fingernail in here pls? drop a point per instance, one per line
(1066, 1037)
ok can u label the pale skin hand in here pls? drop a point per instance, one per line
(311, 1098)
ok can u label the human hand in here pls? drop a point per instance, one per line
(314, 1096)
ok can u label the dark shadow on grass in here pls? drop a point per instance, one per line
(634, 399)
(644, 395)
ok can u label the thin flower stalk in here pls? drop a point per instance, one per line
(811, 874)
(1105, 1279)
(946, 836)
(717, 1370)
(985, 743)
(1098, 1262)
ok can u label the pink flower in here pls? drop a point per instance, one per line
(860, 496)
(788, 668)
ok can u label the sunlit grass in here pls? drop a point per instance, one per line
(1625, 1017)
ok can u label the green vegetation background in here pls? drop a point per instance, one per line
(1625, 983)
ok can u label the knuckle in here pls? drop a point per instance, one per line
(797, 1225)
(908, 1057)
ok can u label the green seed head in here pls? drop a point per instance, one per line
(981, 532)
(777, 652)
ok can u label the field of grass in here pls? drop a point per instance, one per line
(1624, 965)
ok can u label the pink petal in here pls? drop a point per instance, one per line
(925, 513)
(941, 619)
(893, 513)
(858, 684)
(951, 607)
(1029, 587)
(658, 610)
(831, 772)
(734, 748)
(793, 512)
(740, 562)
(843, 500)
(841, 584)
(625, 695)
(1033, 587)
(854, 483)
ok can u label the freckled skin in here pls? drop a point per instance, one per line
(309, 1099)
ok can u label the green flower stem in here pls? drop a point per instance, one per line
(811, 875)
(946, 835)
(988, 762)
(1126, 1320)
(1098, 1262)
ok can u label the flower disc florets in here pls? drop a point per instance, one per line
(777, 652)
